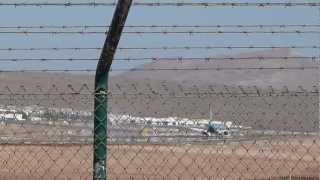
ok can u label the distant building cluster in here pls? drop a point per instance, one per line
(37, 114)
(168, 121)
(11, 115)
(68, 116)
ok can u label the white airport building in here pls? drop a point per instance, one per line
(10, 115)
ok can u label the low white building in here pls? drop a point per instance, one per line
(10, 115)
(35, 118)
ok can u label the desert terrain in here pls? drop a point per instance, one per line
(295, 157)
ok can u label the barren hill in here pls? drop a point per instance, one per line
(280, 112)
(260, 78)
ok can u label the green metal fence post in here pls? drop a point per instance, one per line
(101, 89)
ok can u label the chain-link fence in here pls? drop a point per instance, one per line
(47, 134)
(192, 101)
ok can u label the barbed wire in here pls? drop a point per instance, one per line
(168, 69)
(162, 32)
(179, 89)
(164, 84)
(162, 95)
(159, 48)
(158, 4)
(148, 119)
(164, 26)
(179, 59)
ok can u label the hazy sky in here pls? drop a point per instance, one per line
(10, 16)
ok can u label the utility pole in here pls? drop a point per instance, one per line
(101, 89)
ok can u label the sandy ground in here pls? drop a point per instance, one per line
(254, 160)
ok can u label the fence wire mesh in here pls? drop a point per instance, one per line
(159, 135)
(199, 101)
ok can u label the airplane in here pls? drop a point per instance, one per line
(215, 128)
